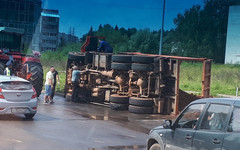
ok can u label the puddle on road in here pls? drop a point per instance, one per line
(105, 118)
(130, 147)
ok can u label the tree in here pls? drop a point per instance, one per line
(100, 28)
(90, 32)
(202, 32)
(116, 27)
(144, 41)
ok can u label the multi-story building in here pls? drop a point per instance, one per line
(232, 55)
(24, 14)
(49, 29)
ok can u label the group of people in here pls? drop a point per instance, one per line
(50, 85)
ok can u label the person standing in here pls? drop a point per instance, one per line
(75, 82)
(48, 86)
(8, 69)
(105, 47)
(56, 80)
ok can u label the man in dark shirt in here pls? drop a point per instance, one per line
(105, 47)
(56, 80)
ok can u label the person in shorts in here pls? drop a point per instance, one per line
(48, 86)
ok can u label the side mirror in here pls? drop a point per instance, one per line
(229, 128)
(167, 124)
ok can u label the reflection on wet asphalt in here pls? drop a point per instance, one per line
(77, 126)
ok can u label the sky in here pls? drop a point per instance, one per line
(140, 14)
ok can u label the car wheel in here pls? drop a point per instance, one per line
(138, 101)
(155, 146)
(140, 110)
(143, 59)
(121, 66)
(142, 67)
(116, 106)
(29, 116)
(122, 58)
(120, 99)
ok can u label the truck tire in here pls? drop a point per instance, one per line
(68, 96)
(121, 66)
(143, 59)
(122, 58)
(116, 106)
(79, 57)
(120, 99)
(37, 76)
(140, 110)
(2, 68)
(145, 102)
(142, 67)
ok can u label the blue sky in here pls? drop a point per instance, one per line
(82, 14)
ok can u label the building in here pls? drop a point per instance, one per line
(23, 14)
(49, 29)
(232, 55)
(64, 38)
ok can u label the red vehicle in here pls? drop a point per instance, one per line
(24, 66)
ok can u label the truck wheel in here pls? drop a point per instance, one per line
(143, 59)
(140, 110)
(155, 146)
(142, 67)
(121, 66)
(120, 99)
(116, 106)
(68, 97)
(122, 58)
(145, 102)
(37, 77)
(2, 68)
(79, 57)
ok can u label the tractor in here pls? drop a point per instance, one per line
(23, 65)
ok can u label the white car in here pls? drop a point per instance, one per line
(17, 96)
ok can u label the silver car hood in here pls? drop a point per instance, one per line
(4, 78)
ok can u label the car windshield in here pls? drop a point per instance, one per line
(15, 85)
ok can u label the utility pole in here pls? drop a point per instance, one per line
(160, 47)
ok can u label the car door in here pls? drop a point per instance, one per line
(182, 132)
(232, 136)
(211, 131)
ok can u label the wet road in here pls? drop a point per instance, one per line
(76, 126)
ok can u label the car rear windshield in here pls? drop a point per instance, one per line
(15, 85)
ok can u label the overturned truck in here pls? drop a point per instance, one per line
(140, 83)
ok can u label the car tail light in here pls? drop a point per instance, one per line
(1, 94)
(34, 93)
(34, 108)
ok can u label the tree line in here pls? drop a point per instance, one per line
(199, 32)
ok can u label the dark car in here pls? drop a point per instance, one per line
(205, 124)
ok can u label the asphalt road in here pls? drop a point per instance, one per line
(76, 126)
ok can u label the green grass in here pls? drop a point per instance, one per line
(224, 78)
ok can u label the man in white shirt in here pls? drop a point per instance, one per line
(48, 86)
